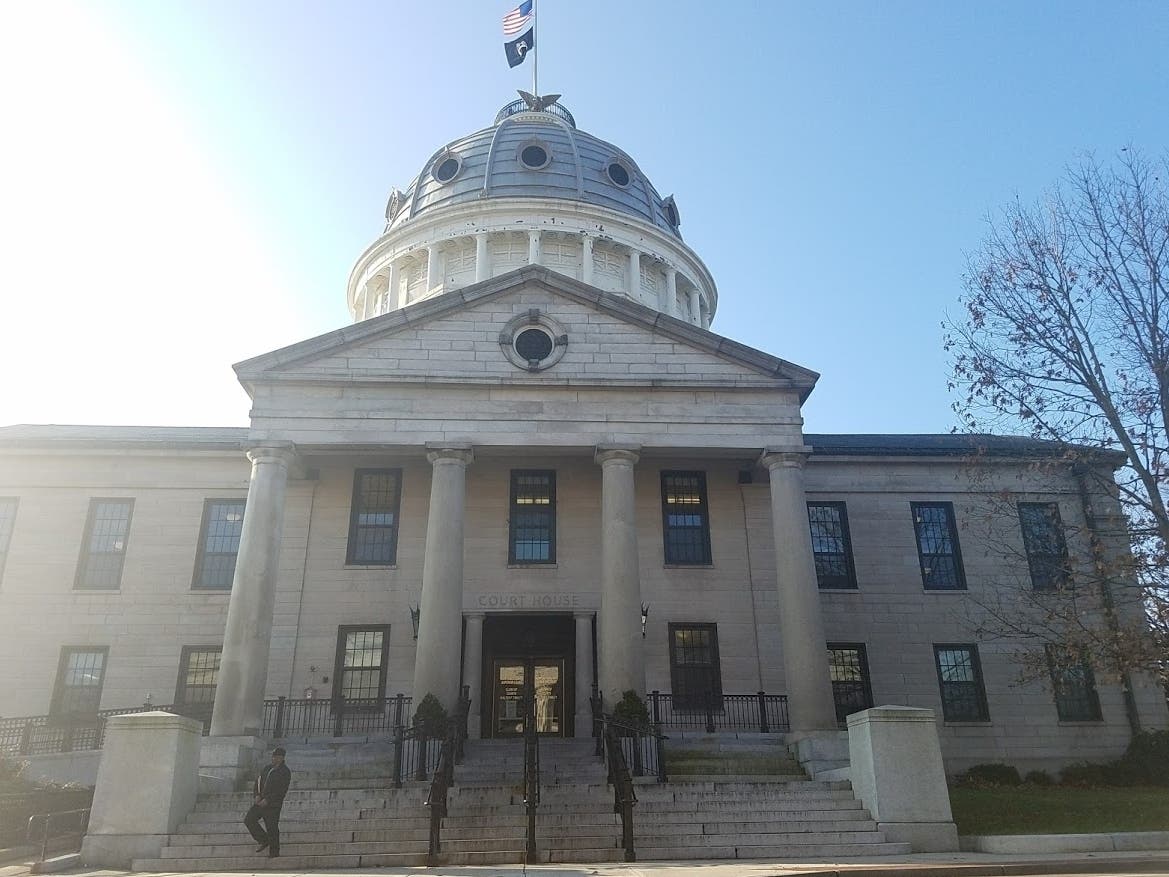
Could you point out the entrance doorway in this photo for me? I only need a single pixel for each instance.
(532, 652)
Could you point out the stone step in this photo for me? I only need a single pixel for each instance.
(649, 853)
(652, 828)
(753, 839)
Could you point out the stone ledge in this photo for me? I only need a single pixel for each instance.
(1066, 843)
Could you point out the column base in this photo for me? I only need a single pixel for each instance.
(819, 752)
(922, 837)
(228, 764)
(120, 850)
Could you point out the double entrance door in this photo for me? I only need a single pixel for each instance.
(514, 680)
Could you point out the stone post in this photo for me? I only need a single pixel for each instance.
(534, 246)
(805, 649)
(895, 765)
(436, 663)
(634, 285)
(433, 268)
(669, 294)
(622, 662)
(243, 665)
(482, 268)
(695, 306)
(473, 671)
(147, 782)
(586, 262)
(584, 673)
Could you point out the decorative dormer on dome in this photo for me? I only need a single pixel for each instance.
(532, 189)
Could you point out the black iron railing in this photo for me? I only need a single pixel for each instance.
(15, 809)
(450, 754)
(531, 775)
(76, 732)
(336, 717)
(622, 782)
(64, 830)
(521, 106)
(761, 712)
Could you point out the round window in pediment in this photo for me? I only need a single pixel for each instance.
(533, 345)
(533, 341)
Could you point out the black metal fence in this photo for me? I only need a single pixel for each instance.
(760, 712)
(17, 809)
(48, 735)
(284, 717)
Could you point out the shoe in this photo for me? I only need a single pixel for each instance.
(272, 854)
(261, 848)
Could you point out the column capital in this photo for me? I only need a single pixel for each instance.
(617, 453)
(584, 616)
(282, 453)
(463, 454)
(474, 616)
(792, 457)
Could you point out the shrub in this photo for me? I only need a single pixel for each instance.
(1086, 775)
(1038, 778)
(631, 710)
(993, 774)
(1147, 759)
(430, 719)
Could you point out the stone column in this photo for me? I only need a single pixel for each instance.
(395, 297)
(473, 671)
(801, 625)
(670, 293)
(482, 269)
(633, 287)
(706, 318)
(436, 663)
(695, 306)
(534, 246)
(433, 268)
(586, 262)
(584, 673)
(243, 665)
(622, 662)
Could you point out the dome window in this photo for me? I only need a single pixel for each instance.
(446, 168)
(671, 210)
(618, 173)
(534, 155)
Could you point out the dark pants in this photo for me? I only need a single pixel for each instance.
(270, 834)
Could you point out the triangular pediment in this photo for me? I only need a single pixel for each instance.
(462, 336)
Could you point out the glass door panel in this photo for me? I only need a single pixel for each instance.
(508, 700)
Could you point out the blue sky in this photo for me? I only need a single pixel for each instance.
(190, 183)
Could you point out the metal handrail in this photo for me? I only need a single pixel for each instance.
(450, 754)
(48, 821)
(623, 795)
(531, 775)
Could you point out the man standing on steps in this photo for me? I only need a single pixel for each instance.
(271, 787)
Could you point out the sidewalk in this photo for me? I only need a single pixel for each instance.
(919, 865)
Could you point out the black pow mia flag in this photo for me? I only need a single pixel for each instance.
(518, 48)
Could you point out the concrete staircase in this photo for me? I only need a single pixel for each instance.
(342, 812)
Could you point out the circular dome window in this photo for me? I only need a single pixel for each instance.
(533, 345)
(446, 169)
(618, 173)
(534, 156)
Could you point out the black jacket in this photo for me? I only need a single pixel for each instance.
(272, 783)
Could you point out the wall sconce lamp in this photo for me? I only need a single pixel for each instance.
(415, 617)
(644, 617)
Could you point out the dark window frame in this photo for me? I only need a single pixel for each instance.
(948, 710)
(835, 583)
(865, 683)
(182, 688)
(339, 666)
(355, 510)
(927, 571)
(1049, 571)
(56, 705)
(12, 502)
(197, 579)
(83, 560)
(514, 510)
(702, 511)
(681, 700)
(1080, 703)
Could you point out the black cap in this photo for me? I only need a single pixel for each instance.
(279, 750)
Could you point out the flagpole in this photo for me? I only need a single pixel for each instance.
(535, 47)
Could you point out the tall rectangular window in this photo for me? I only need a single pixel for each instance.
(223, 522)
(80, 675)
(103, 548)
(7, 522)
(695, 672)
(848, 668)
(360, 672)
(198, 676)
(685, 519)
(831, 545)
(532, 517)
(937, 546)
(1074, 685)
(1047, 553)
(373, 519)
(960, 680)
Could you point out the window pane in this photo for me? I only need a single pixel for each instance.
(848, 669)
(937, 545)
(361, 663)
(7, 522)
(198, 676)
(533, 517)
(830, 545)
(1043, 540)
(373, 528)
(963, 697)
(685, 520)
(104, 544)
(1074, 685)
(79, 681)
(223, 523)
(695, 674)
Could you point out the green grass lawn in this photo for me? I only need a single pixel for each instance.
(1059, 810)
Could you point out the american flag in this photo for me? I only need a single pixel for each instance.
(517, 19)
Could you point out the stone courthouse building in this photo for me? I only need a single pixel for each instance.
(530, 458)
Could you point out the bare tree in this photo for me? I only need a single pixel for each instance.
(1066, 334)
